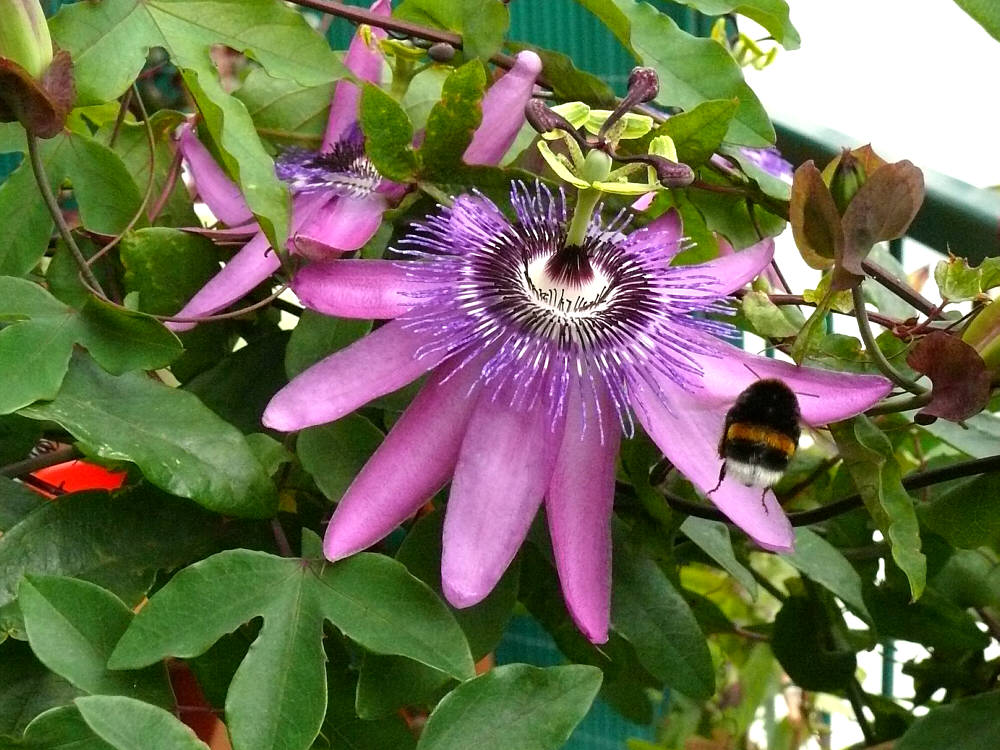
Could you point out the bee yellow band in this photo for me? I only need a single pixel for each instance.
(758, 434)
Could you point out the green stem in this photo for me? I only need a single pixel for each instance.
(877, 357)
(57, 216)
(586, 202)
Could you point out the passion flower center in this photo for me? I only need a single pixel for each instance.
(567, 283)
(345, 169)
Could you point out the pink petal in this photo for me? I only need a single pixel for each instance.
(503, 111)
(663, 234)
(503, 469)
(379, 289)
(824, 395)
(643, 202)
(366, 64)
(220, 194)
(251, 266)
(736, 270)
(578, 505)
(687, 429)
(343, 225)
(383, 361)
(415, 460)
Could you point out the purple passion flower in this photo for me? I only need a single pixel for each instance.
(537, 355)
(338, 197)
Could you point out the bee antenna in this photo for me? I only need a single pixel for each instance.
(752, 371)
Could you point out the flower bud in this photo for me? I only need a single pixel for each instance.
(643, 85)
(441, 52)
(848, 177)
(24, 35)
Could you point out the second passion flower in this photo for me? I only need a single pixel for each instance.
(538, 351)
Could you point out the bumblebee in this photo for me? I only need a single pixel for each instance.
(760, 435)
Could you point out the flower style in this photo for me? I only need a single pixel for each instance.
(538, 351)
(338, 197)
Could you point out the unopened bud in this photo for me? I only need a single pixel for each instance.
(441, 52)
(24, 35)
(544, 119)
(848, 177)
(643, 85)
(671, 174)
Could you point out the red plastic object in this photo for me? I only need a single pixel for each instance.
(75, 476)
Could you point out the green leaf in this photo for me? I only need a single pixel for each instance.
(388, 134)
(37, 350)
(869, 457)
(344, 727)
(713, 539)
(283, 111)
(650, 613)
(799, 645)
(370, 598)
(967, 724)
(35, 354)
(423, 93)
(694, 70)
(317, 336)
(334, 453)
(73, 627)
(569, 83)
(240, 384)
(453, 120)
(132, 146)
(27, 688)
(977, 436)
(934, 621)
(27, 224)
(123, 340)
(388, 682)
(482, 23)
(767, 318)
(968, 515)
(985, 13)
(771, 14)
(177, 442)
(118, 542)
(166, 266)
(129, 724)
(109, 41)
(16, 502)
(61, 728)
(513, 706)
(698, 133)
(823, 563)
(956, 280)
(17, 437)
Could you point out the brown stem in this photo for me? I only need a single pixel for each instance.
(168, 185)
(914, 481)
(901, 289)
(360, 15)
(33, 464)
(151, 141)
(798, 299)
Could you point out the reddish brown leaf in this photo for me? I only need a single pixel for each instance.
(40, 106)
(814, 218)
(959, 376)
(881, 210)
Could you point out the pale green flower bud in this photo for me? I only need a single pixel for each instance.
(24, 35)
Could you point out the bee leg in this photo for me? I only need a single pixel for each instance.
(763, 494)
(722, 475)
